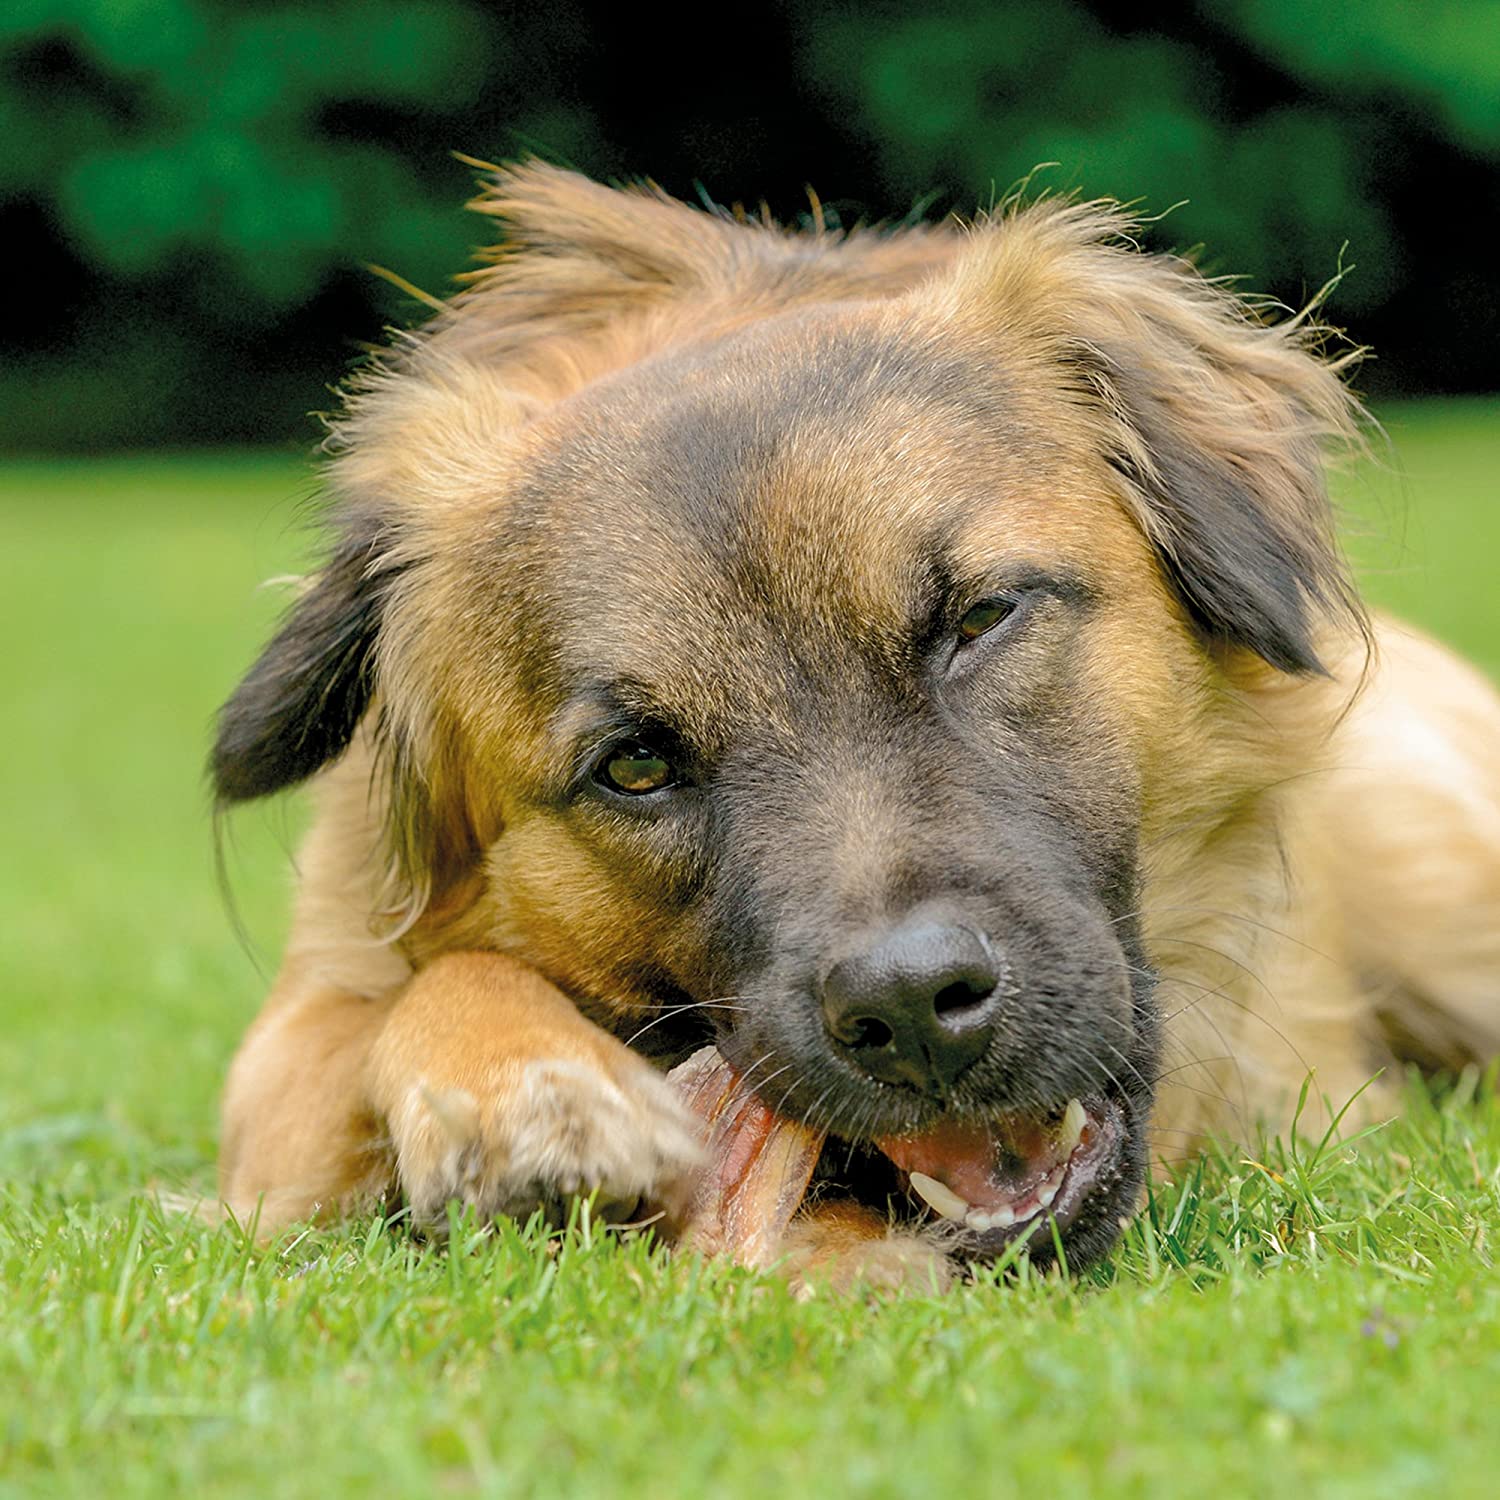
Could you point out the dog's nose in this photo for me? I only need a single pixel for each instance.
(918, 1006)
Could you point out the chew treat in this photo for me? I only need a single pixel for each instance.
(758, 1167)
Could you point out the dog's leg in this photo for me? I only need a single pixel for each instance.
(479, 1082)
(496, 1092)
(846, 1247)
(299, 1137)
(1385, 946)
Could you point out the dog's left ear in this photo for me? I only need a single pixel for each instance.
(1222, 426)
(1218, 421)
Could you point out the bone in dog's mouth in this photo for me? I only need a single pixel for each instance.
(988, 1183)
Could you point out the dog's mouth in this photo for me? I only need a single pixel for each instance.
(988, 1183)
(982, 1184)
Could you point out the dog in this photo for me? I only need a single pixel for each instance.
(920, 663)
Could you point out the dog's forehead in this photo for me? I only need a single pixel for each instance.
(797, 479)
(725, 446)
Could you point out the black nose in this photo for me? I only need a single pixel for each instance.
(918, 1006)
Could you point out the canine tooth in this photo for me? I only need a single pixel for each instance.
(939, 1197)
(1075, 1117)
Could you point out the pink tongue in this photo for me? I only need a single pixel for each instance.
(986, 1165)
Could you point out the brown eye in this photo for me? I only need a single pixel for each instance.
(635, 769)
(984, 616)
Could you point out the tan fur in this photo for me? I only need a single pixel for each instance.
(496, 1091)
(1321, 854)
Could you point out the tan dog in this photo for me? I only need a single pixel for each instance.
(920, 663)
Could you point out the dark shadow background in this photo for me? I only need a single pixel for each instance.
(191, 190)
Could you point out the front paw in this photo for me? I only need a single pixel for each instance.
(537, 1132)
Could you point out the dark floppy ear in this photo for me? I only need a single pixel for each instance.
(1226, 455)
(299, 705)
(1217, 419)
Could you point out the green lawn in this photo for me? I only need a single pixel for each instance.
(1329, 1321)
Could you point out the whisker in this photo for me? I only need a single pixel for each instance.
(1220, 992)
(1204, 993)
(766, 1082)
(1234, 916)
(1114, 1077)
(673, 1011)
(1253, 1014)
(743, 1087)
(1231, 1057)
(747, 1088)
(1228, 958)
(1194, 1062)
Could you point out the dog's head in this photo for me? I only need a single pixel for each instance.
(806, 639)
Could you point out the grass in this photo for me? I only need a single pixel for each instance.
(1326, 1317)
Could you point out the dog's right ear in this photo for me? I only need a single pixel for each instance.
(300, 704)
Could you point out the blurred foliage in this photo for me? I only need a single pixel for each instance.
(162, 128)
(192, 188)
(979, 94)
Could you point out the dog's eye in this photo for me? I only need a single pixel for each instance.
(984, 616)
(635, 769)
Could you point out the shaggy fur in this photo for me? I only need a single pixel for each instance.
(663, 472)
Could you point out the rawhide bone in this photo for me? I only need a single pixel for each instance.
(757, 1169)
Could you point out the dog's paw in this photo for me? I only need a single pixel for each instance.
(538, 1132)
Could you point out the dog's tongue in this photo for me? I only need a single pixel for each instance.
(988, 1175)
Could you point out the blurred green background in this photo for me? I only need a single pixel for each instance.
(191, 190)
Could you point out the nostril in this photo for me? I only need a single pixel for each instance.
(957, 1001)
(865, 1032)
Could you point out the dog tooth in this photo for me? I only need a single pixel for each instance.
(939, 1197)
(997, 1218)
(1075, 1117)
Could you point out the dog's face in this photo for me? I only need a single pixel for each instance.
(817, 682)
(804, 643)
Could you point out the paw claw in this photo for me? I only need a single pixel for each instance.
(456, 1110)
